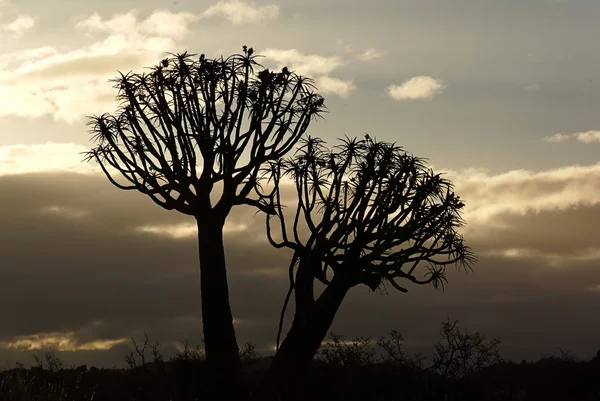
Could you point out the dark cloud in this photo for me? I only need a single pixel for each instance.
(565, 233)
(88, 271)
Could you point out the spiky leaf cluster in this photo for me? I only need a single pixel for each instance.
(372, 212)
(193, 122)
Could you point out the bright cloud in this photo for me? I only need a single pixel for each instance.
(44, 81)
(552, 259)
(65, 211)
(186, 230)
(588, 137)
(31, 54)
(556, 138)
(23, 159)
(66, 341)
(328, 85)
(305, 64)
(119, 23)
(311, 65)
(531, 216)
(421, 87)
(239, 12)
(20, 25)
(161, 23)
(370, 54)
(488, 197)
(584, 137)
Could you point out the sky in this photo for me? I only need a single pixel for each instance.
(501, 96)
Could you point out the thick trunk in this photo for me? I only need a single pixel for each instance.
(222, 354)
(288, 371)
(304, 293)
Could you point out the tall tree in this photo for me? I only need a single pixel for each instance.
(193, 128)
(366, 213)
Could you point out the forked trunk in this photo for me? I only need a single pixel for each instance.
(222, 354)
(286, 377)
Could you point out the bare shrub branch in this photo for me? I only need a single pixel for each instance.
(459, 354)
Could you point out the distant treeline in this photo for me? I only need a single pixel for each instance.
(463, 366)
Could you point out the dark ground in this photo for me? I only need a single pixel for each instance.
(344, 370)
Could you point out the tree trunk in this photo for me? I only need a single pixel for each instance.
(289, 370)
(304, 290)
(222, 354)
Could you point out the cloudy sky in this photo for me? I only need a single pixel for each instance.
(504, 96)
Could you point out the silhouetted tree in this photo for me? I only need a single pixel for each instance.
(195, 127)
(393, 348)
(460, 354)
(367, 213)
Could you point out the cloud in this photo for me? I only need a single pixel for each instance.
(65, 211)
(120, 23)
(45, 81)
(305, 64)
(420, 87)
(30, 54)
(90, 250)
(595, 288)
(370, 54)
(588, 137)
(117, 258)
(238, 12)
(345, 46)
(83, 216)
(311, 65)
(162, 23)
(524, 191)
(60, 342)
(538, 216)
(20, 25)
(556, 138)
(187, 230)
(531, 88)
(498, 202)
(329, 85)
(23, 159)
(584, 137)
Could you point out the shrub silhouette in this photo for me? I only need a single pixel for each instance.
(460, 354)
(358, 369)
(193, 128)
(393, 348)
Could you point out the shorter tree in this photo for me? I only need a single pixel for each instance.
(339, 352)
(366, 213)
(459, 354)
(393, 351)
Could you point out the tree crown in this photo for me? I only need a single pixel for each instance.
(369, 211)
(193, 122)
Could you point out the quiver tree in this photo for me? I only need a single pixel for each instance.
(366, 213)
(193, 128)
